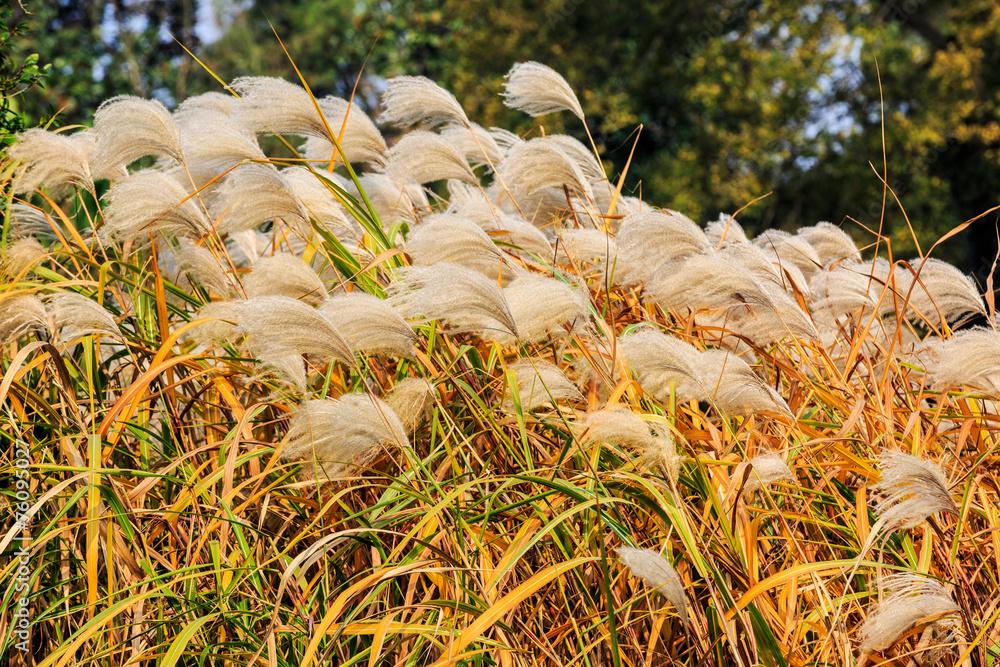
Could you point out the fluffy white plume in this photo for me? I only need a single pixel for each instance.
(285, 275)
(215, 142)
(725, 231)
(532, 167)
(765, 469)
(942, 292)
(911, 490)
(361, 140)
(658, 574)
(447, 238)
(274, 106)
(54, 161)
(474, 143)
(970, 358)
(651, 238)
(412, 100)
(539, 383)
(659, 360)
(470, 203)
(830, 242)
(17, 257)
(280, 331)
(339, 435)
(537, 90)
(150, 201)
(129, 128)
(790, 249)
(395, 203)
(579, 153)
(620, 426)
(317, 199)
(541, 307)
(369, 324)
(253, 194)
(412, 400)
(424, 157)
(465, 299)
(20, 314)
(733, 388)
(198, 263)
(913, 599)
(74, 316)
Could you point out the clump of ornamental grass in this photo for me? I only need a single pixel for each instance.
(381, 419)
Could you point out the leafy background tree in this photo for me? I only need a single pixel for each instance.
(736, 98)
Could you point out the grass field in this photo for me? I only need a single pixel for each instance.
(300, 407)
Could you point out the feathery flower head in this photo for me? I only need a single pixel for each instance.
(658, 574)
(537, 90)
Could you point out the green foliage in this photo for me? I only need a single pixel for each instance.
(14, 78)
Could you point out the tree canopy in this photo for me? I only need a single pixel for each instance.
(735, 98)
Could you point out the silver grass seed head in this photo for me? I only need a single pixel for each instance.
(269, 105)
(471, 204)
(27, 221)
(221, 329)
(542, 307)
(789, 249)
(733, 388)
(620, 426)
(970, 358)
(911, 489)
(18, 257)
(196, 263)
(474, 143)
(412, 400)
(913, 599)
(318, 201)
(370, 325)
(539, 382)
(361, 141)
(725, 231)
(465, 299)
(581, 154)
(537, 90)
(74, 316)
(416, 100)
(394, 202)
(214, 143)
(653, 238)
(766, 469)
(659, 361)
(590, 246)
(285, 275)
(150, 201)
(532, 167)
(337, 436)
(129, 128)
(654, 570)
(942, 292)
(253, 194)
(831, 243)
(449, 238)
(707, 282)
(54, 161)
(504, 138)
(20, 314)
(424, 157)
(279, 331)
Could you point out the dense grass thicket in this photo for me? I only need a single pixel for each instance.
(459, 398)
